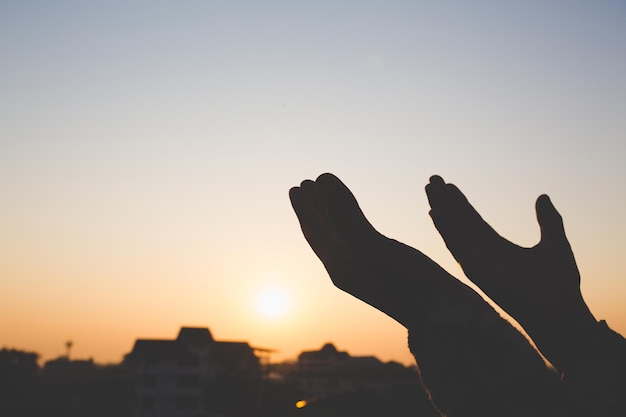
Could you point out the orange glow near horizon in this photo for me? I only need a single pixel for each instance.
(146, 158)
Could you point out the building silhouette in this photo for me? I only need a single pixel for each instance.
(171, 377)
(328, 371)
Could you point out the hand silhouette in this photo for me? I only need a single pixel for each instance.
(387, 274)
(538, 286)
(471, 361)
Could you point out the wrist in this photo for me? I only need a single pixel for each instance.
(594, 345)
(564, 330)
(572, 345)
(597, 376)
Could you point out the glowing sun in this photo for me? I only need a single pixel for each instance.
(272, 302)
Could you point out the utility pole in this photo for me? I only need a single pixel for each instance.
(68, 348)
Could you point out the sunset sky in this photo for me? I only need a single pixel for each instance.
(147, 149)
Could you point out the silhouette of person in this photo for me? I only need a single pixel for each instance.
(471, 361)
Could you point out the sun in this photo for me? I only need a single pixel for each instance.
(272, 302)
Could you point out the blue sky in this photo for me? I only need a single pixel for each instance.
(146, 150)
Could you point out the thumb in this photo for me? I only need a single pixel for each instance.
(549, 219)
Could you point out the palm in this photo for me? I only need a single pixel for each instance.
(538, 286)
(386, 274)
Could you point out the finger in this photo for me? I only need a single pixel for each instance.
(477, 231)
(447, 222)
(462, 209)
(479, 266)
(453, 216)
(474, 261)
(436, 194)
(344, 212)
(453, 240)
(549, 219)
(443, 201)
(305, 208)
(309, 190)
(314, 227)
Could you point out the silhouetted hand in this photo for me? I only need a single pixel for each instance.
(538, 286)
(471, 360)
(387, 274)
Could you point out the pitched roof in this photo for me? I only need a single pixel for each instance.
(328, 351)
(161, 350)
(195, 335)
(182, 350)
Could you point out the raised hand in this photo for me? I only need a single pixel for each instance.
(387, 274)
(471, 360)
(538, 286)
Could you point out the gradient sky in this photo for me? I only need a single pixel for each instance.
(147, 148)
